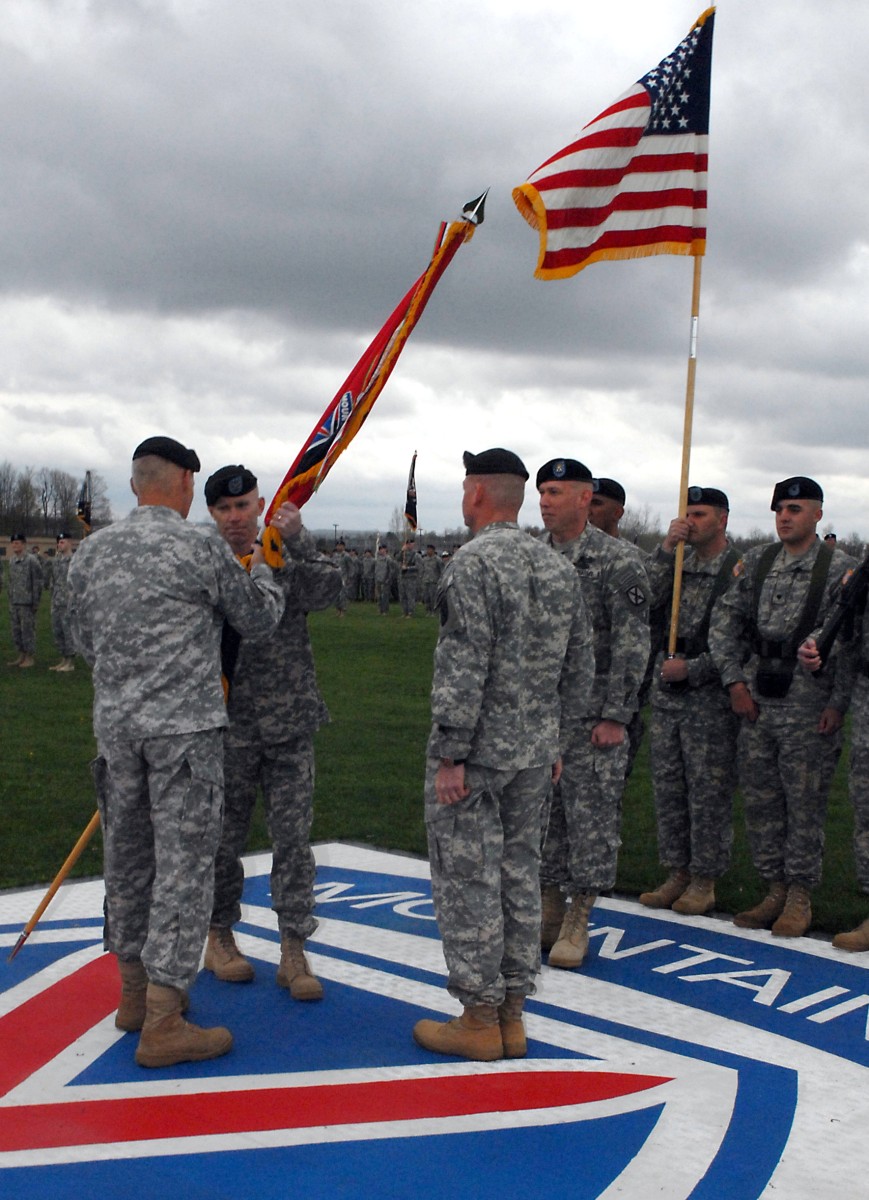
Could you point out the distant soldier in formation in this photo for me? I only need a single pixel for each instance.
(354, 576)
(342, 559)
(408, 560)
(25, 583)
(60, 623)
(791, 720)
(430, 571)
(367, 575)
(384, 575)
(512, 669)
(693, 734)
(274, 709)
(580, 853)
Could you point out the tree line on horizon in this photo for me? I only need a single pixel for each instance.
(43, 502)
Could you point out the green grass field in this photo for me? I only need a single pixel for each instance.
(375, 673)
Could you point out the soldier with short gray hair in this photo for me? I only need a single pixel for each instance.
(148, 597)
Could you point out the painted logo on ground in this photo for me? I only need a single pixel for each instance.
(687, 1059)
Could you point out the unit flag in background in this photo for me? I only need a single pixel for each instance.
(634, 182)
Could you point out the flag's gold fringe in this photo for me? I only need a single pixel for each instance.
(704, 16)
(696, 248)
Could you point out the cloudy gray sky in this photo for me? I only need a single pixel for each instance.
(210, 207)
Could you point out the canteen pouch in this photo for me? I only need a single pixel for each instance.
(774, 676)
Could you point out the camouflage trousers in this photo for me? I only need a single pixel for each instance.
(286, 774)
(485, 860)
(581, 850)
(429, 596)
(61, 631)
(785, 771)
(22, 619)
(160, 804)
(382, 594)
(408, 591)
(693, 757)
(858, 778)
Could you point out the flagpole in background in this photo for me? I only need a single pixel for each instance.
(686, 454)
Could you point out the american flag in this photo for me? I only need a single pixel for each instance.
(634, 181)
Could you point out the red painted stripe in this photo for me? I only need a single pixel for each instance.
(141, 1119)
(33, 1034)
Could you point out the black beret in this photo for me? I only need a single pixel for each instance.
(609, 487)
(798, 487)
(172, 451)
(18, 537)
(712, 496)
(62, 537)
(229, 481)
(559, 469)
(494, 462)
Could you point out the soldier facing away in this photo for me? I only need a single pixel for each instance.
(148, 597)
(512, 669)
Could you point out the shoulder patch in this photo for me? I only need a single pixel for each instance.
(739, 569)
(636, 595)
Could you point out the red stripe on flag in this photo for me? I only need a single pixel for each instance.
(148, 1118)
(652, 202)
(640, 164)
(626, 239)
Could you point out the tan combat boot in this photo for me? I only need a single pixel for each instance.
(134, 984)
(224, 958)
(167, 1038)
(857, 939)
(68, 664)
(570, 949)
(512, 1028)
(295, 973)
(697, 899)
(553, 909)
(27, 661)
(666, 893)
(763, 914)
(796, 915)
(15, 662)
(476, 1034)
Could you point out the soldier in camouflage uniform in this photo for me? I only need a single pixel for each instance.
(408, 560)
(367, 575)
(430, 570)
(512, 669)
(25, 589)
(60, 624)
(853, 675)
(384, 575)
(147, 597)
(275, 708)
(791, 721)
(693, 735)
(581, 849)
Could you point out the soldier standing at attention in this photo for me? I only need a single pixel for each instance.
(582, 843)
(408, 559)
(60, 626)
(384, 574)
(791, 721)
(148, 596)
(25, 589)
(693, 735)
(274, 708)
(430, 570)
(512, 668)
